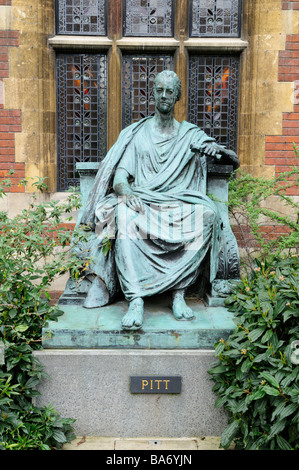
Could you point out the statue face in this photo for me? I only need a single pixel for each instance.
(165, 94)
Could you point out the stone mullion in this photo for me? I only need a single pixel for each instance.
(114, 95)
(115, 19)
(181, 19)
(181, 33)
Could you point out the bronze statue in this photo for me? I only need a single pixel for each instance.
(148, 200)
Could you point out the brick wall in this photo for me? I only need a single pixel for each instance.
(10, 119)
(279, 149)
(290, 5)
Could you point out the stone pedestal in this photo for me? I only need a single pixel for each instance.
(93, 386)
(90, 359)
(101, 327)
(90, 362)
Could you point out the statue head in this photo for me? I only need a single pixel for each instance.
(170, 74)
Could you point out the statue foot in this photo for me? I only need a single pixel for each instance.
(180, 309)
(134, 317)
(97, 295)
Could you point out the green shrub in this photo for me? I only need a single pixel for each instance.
(27, 427)
(34, 250)
(255, 202)
(256, 375)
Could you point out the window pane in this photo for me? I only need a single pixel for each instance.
(148, 17)
(215, 18)
(81, 17)
(213, 97)
(81, 103)
(138, 78)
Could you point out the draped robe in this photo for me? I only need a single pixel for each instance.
(162, 247)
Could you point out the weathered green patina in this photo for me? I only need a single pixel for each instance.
(149, 198)
(99, 328)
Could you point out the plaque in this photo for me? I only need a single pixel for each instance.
(156, 384)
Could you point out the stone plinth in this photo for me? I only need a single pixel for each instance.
(101, 327)
(93, 386)
(90, 361)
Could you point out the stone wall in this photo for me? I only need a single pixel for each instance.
(266, 93)
(27, 79)
(10, 119)
(279, 148)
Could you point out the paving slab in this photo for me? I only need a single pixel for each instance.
(149, 443)
(90, 443)
(155, 444)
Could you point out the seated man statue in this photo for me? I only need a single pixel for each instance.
(148, 192)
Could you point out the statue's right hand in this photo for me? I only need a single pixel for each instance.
(134, 202)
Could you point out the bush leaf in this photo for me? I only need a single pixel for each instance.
(229, 433)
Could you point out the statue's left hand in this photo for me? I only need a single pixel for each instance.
(218, 152)
(211, 149)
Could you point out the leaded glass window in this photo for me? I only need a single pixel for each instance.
(139, 73)
(213, 96)
(81, 109)
(148, 18)
(215, 18)
(86, 17)
(132, 41)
